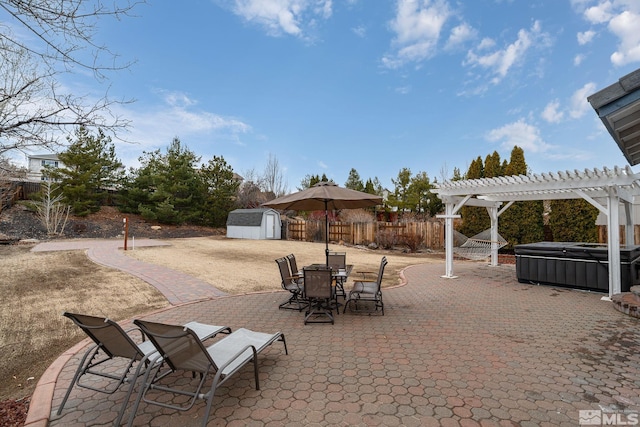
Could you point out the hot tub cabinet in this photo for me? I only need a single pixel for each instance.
(575, 265)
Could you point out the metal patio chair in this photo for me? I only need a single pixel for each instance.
(364, 293)
(291, 283)
(319, 292)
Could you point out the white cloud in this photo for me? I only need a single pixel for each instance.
(153, 128)
(282, 16)
(599, 13)
(459, 35)
(551, 112)
(519, 133)
(417, 27)
(585, 37)
(621, 18)
(359, 31)
(626, 27)
(486, 43)
(577, 60)
(579, 104)
(500, 62)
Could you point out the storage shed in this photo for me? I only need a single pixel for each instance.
(257, 224)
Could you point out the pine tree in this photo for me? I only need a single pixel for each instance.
(91, 168)
(221, 188)
(353, 181)
(168, 187)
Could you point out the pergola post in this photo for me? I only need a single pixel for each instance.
(493, 214)
(613, 247)
(629, 231)
(448, 240)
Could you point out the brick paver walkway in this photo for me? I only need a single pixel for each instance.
(478, 350)
(177, 287)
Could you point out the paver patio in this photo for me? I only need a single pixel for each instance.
(481, 349)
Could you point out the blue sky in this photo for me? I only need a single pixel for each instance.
(376, 85)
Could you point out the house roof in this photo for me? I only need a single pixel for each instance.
(618, 106)
(44, 156)
(247, 217)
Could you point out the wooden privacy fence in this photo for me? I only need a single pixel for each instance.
(11, 191)
(429, 233)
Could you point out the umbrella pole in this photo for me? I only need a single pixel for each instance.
(326, 232)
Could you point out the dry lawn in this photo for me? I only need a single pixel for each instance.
(238, 266)
(36, 288)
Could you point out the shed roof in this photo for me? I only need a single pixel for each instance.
(247, 217)
(618, 106)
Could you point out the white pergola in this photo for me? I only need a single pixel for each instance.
(606, 189)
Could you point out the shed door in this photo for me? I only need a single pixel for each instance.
(270, 232)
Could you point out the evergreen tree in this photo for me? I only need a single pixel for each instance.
(401, 198)
(353, 181)
(573, 220)
(167, 187)
(523, 221)
(492, 166)
(457, 176)
(419, 189)
(474, 219)
(369, 188)
(90, 169)
(221, 187)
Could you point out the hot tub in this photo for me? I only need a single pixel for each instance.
(575, 265)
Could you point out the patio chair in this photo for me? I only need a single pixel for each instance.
(319, 292)
(182, 351)
(366, 292)
(293, 264)
(338, 262)
(292, 284)
(113, 344)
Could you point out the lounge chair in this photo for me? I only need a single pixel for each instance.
(112, 343)
(181, 350)
(365, 292)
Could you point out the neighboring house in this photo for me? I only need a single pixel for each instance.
(259, 224)
(37, 162)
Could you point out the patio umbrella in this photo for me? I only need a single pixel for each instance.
(325, 195)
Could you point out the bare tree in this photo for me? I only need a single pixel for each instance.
(52, 213)
(273, 178)
(34, 111)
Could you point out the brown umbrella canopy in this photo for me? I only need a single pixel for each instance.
(324, 196)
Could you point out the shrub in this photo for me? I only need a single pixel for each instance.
(387, 239)
(412, 241)
(356, 215)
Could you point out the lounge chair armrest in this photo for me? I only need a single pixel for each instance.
(136, 329)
